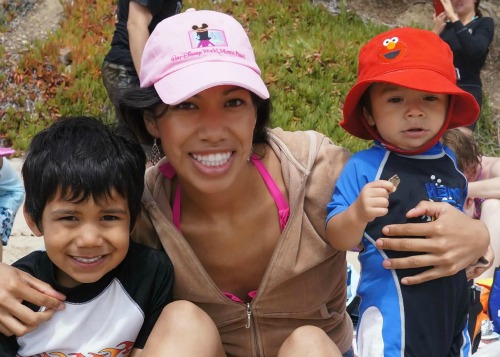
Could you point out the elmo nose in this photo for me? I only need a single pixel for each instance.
(391, 45)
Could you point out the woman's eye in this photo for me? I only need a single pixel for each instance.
(67, 218)
(234, 102)
(183, 105)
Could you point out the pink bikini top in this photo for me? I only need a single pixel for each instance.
(478, 202)
(283, 209)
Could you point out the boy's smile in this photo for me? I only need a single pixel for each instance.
(85, 240)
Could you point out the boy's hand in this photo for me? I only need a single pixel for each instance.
(373, 200)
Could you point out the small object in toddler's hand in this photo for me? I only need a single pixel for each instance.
(395, 180)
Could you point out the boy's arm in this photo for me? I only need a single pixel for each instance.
(345, 230)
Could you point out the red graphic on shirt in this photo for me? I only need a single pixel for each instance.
(121, 350)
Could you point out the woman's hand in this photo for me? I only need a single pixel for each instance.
(449, 11)
(16, 286)
(439, 23)
(452, 242)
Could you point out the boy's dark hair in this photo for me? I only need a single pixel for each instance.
(81, 157)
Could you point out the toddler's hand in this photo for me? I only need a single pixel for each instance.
(373, 200)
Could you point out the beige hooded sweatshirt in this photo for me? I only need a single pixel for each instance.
(305, 281)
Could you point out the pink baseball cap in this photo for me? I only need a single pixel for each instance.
(196, 50)
(412, 58)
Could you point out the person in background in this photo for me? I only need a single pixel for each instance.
(11, 196)
(240, 208)
(135, 20)
(483, 174)
(404, 99)
(469, 35)
(83, 195)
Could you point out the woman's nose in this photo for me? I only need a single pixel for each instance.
(212, 125)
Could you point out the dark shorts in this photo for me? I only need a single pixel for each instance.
(115, 78)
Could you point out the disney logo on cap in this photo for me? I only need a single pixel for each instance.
(201, 36)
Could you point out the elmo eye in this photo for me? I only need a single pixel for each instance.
(395, 40)
(386, 42)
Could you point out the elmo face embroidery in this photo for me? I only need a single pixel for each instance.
(391, 49)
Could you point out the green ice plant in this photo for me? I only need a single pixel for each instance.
(308, 59)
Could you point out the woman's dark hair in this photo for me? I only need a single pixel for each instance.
(139, 103)
(476, 8)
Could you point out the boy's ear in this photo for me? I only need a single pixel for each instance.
(31, 223)
(368, 117)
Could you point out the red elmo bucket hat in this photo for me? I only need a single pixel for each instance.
(411, 58)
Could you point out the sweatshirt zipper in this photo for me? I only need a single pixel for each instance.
(249, 325)
(249, 315)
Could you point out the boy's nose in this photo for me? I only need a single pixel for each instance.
(89, 236)
(414, 111)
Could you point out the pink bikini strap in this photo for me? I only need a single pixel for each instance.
(281, 203)
(169, 172)
(279, 199)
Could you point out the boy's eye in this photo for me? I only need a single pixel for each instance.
(109, 218)
(431, 98)
(395, 100)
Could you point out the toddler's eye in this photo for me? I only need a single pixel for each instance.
(395, 100)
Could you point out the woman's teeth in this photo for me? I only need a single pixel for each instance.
(213, 159)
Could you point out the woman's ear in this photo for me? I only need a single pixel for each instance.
(31, 223)
(368, 117)
(151, 127)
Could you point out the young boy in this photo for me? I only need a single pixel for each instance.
(405, 98)
(83, 194)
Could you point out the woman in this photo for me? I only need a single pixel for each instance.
(469, 35)
(240, 208)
